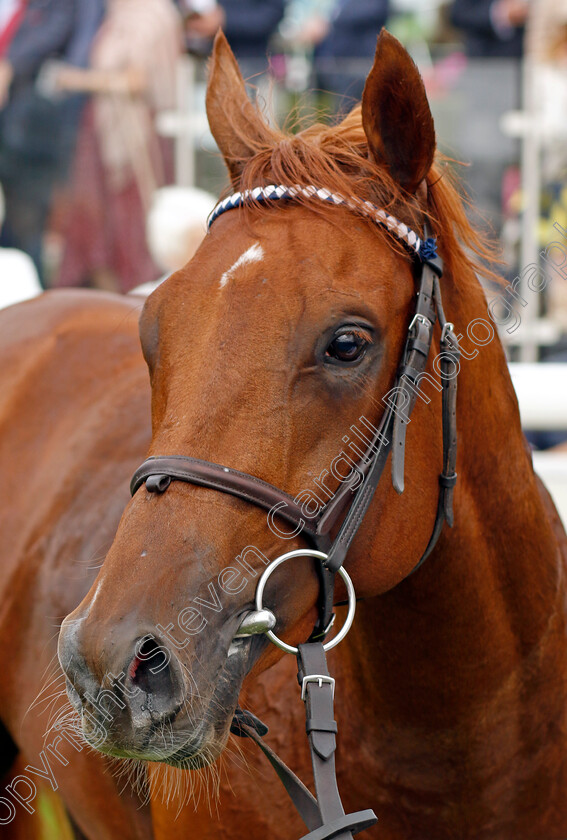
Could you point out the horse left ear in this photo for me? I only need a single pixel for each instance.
(235, 123)
(396, 116)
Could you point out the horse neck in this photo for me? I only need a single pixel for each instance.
(482, 619)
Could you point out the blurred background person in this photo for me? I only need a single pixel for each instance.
(491, 28)
(88, 18)
(18, 275)
(344, 55)
(247, 24)
(36, 132)
(120, 161)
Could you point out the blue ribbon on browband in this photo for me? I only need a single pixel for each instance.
(428, 249)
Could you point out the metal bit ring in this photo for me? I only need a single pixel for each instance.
(306, 552)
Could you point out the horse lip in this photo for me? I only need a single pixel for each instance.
(146, 751)
(239, 649)
(189, 750)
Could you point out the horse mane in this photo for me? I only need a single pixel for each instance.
(336, 158)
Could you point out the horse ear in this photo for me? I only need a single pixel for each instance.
(396, 116)
(235, 123)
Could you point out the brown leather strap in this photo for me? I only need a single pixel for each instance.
(302, 798)
(450, 366)
(158, 471)
(331, 513)
(306, 804)
(391, 434)
(362, 500)
(324, 816)
(318, 689)
(414, 362)
(450, 361)
(353, 822)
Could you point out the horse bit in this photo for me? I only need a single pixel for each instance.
(324, 816)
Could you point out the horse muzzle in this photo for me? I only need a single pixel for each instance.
(151, 705)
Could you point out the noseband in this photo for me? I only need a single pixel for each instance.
(325, 816)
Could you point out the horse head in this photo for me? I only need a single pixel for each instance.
(270, 353)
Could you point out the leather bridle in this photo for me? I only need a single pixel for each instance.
(157, 472)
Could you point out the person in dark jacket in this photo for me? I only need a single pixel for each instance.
(344, 57)
(35, 132)
(491, 28)
(247, 24)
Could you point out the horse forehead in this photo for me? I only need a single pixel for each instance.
(295, 263)
(294, 245)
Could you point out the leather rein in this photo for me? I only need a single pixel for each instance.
(324, 816)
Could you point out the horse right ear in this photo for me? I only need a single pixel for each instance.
(235, 123)
(396, 116)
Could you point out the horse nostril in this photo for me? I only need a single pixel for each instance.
(153, 672)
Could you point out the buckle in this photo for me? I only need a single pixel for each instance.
(447, 328)
(448, 481)
(320, 679)
(418, 318)
(315, 637)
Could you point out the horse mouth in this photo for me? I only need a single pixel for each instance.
(186, 739)
(208, 741)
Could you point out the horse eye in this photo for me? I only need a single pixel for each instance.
(349, 346)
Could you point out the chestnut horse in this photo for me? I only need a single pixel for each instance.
(264, 353)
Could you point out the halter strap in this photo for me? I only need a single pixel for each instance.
(424, 249)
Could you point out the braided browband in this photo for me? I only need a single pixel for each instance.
(424, 249)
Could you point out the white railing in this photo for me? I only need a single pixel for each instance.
(542, 395)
